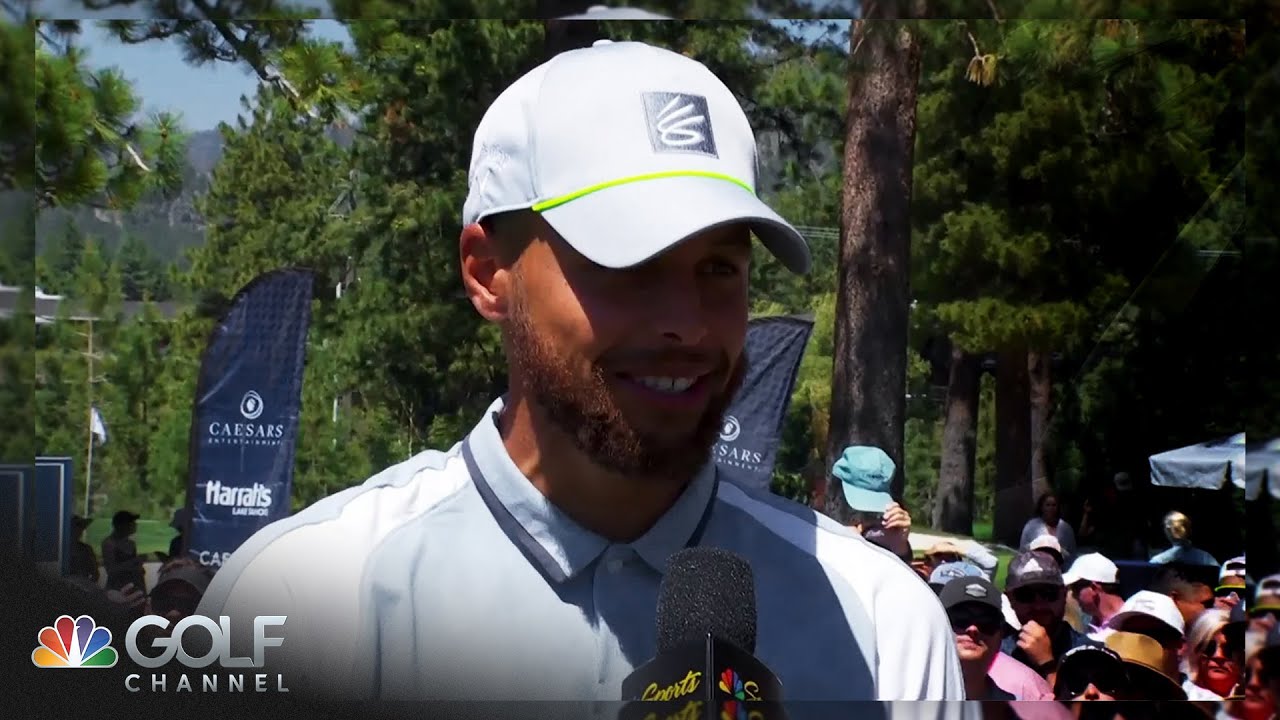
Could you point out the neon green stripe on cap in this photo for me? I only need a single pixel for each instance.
(557, 201)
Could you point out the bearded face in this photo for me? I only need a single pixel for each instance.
(636, 365)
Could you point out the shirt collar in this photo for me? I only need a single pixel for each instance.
(551, 539)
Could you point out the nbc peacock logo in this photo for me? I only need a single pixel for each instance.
(731, 683)
(740, 692)
(74, 643)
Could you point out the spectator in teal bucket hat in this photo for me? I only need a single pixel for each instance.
(864, 473)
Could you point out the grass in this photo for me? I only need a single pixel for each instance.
(153, 535)
(981, 533)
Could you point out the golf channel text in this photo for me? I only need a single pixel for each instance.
(156, 652)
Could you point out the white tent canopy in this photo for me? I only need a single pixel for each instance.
(1262, 466)
(1204, 466)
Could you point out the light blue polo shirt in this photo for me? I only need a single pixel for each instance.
(449, 576)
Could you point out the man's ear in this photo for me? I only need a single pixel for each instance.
(485, 277)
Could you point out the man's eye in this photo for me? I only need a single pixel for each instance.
(722, 267)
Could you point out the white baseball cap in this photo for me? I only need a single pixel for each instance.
(1234, 566)
(1094, 567)
(1046, 542)
(625, 149)
(1154, 604)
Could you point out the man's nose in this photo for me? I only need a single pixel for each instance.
(677, 311)
(1092, 692)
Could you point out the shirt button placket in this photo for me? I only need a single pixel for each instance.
(608, 586)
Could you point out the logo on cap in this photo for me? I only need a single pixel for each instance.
(679, 122)
(975, 590)
(1032, 566)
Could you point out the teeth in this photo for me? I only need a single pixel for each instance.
(666, 384)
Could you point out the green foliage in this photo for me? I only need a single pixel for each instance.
(17, 370)
(1043, 202)
(1091, 150)
(89, 146)
(17, 106)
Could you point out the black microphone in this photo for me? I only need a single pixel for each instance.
(705, 668)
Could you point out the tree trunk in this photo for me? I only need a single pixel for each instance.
(1041, 389)
(1013, 446)
(953, 509)
(868, 384)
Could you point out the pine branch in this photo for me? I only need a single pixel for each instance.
(252, 56)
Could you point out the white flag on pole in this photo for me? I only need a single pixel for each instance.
(98, 428)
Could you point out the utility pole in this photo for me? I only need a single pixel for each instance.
(90, 379)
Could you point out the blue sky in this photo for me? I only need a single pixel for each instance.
(203, 95)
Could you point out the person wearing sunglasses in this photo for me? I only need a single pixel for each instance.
(1261, 678)
(1008, 674)
(1154, 615)
(1038, 596)
(1090, 673)
(1215, 653)
(973, 607)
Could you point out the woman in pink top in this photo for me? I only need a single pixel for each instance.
(1017, 679)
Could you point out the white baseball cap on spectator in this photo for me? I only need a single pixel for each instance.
(1094, 567)
(1150, 604)
(1049, 544)
(1233, 567)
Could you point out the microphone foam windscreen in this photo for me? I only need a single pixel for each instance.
(707, 590)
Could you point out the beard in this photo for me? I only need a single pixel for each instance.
(581, 405)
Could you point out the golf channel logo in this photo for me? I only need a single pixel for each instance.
(152, 643)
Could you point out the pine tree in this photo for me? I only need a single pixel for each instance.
(17, 111)
(89, 147)
(1037, 184)
(61, 260)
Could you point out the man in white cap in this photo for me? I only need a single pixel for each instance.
(1094, 582)
(607, 236)
(1049, 545)
(1156, 616)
